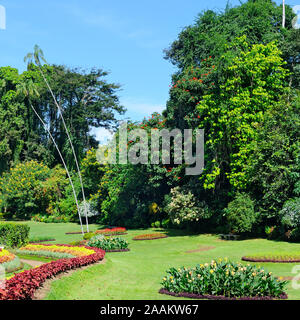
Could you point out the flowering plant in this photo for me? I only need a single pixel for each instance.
(23, 285)
(223, 278)
(112, 231)
(108, 244)
(75, 251)
(6, 256)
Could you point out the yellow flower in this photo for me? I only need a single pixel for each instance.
(211, 271)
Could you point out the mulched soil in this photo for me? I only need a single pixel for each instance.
(150, 238)
(212, 297)
(201, 249)
(36, 242)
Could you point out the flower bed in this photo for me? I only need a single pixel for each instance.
(223, 280)
(115, 244)
(6, 256)
(273, 257)
(150, 236)
(66, 249)
(112, 231)
(23, 285)
(9, 261)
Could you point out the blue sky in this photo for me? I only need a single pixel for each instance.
(126, 38)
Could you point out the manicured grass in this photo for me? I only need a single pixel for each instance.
(57, 231)
(136, 274)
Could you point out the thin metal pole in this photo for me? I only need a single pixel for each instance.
(63, 161)
(69, 138)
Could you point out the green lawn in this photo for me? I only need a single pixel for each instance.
(136, 274)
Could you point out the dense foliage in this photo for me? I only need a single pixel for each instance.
(108, 243)
(224, 278)
(240, 214)
(237, 78)
(13, 234)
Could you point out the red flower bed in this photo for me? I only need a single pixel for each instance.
(112, 231)
(23, 285)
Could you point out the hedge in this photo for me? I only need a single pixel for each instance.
(14, 235)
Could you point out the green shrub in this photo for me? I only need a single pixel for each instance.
(290, 213)
(181, 207)
(107, 244)
(14, 235)
(166, 223)
(88, 236)
(156, 224)
(223, 278)
(295, 235)
(240, 213)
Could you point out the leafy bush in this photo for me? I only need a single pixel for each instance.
(295, 234)
(88, 236)
(290, 213)
(108, 244)
(165, 223)
(14, 235)
(31, 188)
(240, 213)
(181, 207)
(90, 208)
(223, 278)
(274, 172)
(51, 219)
(156, 224)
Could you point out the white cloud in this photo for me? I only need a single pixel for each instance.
(101, 134)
